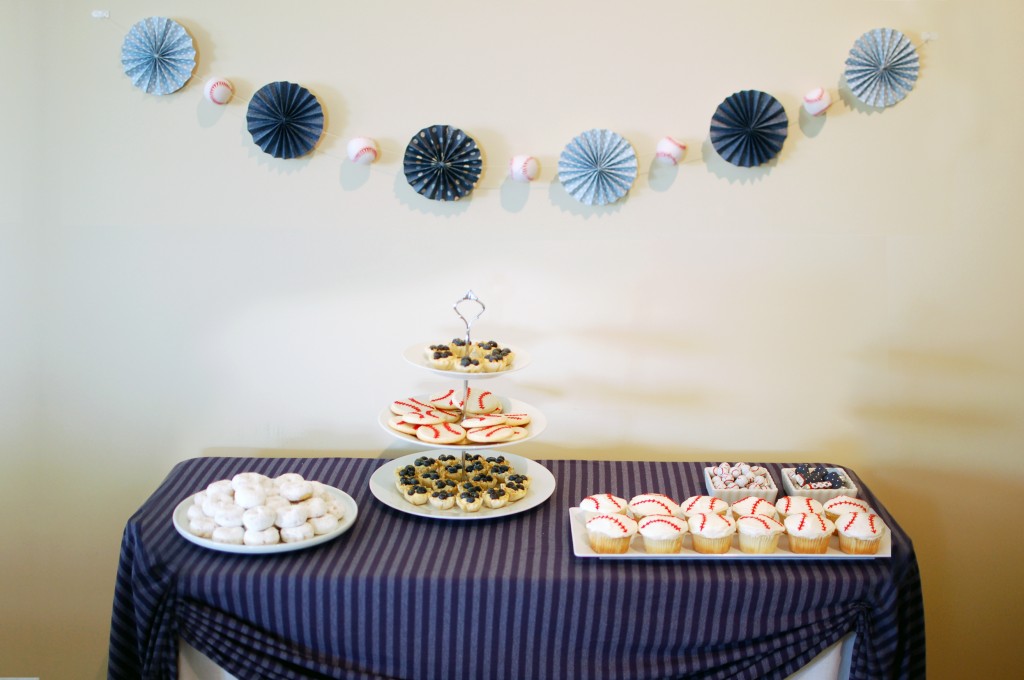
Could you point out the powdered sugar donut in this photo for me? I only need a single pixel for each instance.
(195, 512)
(297, 491)
(216, 502)
(442, 433)
(288, 478)
(202, 527)
(250, 496)
(276, 502)
(269, 536)
(303, 532)
(229, 516)
(248, 479)
(292, 516)
(315, 507)
(232, 535)
(222, 486)
(324, 524)
(259, 518)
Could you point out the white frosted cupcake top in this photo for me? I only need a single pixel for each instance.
(862, 525)
(695, 505)
(751, 505)
(759, 525)
(711, 525)
(652, 504)
(809, 525)
(603, 503)
(795, 505)
(661, 527)
(615, 526)
(840, 505)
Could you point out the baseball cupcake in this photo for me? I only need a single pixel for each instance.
(809, 533)
(712, 533)
(696, 505)
(796, 505)
(759, 534)
(662, 534)
(860, 533)
(610, 534)
(840, 505)
(652, 504)
(603, 504)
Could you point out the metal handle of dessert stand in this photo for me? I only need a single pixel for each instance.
(469, 297)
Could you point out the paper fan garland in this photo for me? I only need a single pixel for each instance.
(285, 119)
(749, 128)
(442, 163)
(597, 167)
(882, 67)
(158, 55)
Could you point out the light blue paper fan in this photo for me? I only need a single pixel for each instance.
(882, 67)
(158, 55)
(597, 167)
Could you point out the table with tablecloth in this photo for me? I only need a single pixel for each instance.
(401, 596)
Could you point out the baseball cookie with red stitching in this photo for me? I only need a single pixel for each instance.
(442, 433)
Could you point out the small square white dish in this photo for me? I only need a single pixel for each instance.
(820, 495)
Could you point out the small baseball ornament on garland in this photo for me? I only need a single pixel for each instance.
(817, 101)
(362, 150)
(882, 67)
(749, 128)
(669, 151)
(523, 168)
(218, 90)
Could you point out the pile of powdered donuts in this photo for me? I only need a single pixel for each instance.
(256, 510)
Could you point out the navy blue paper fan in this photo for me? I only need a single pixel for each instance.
(749, 128)
(442, 163)
(285, 120)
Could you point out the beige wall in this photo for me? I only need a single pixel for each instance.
(169, 291)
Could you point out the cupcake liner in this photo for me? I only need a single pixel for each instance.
(859, 546)
(809, 546)
(663, 546)
(712, 546)
(607, 544)
(759, 545)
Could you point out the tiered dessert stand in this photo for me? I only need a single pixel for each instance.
(382, 482)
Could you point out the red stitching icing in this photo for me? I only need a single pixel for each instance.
(703, 521)
(803, 519)
(871, 523)
(696, 499)
(658, 519)
(853, 518)
(759, 518)
(614, 520)
(855, 504)
(654, 500)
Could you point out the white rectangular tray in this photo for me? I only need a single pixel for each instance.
(581, 548)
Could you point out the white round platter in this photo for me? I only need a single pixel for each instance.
(415, 356)
(542, 485)
(537, 424)
(180, 518)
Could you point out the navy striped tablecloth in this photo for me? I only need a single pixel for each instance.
(399, 596)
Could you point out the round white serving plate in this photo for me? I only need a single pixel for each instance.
(180, 519)
(415, 355)
(542, 485)
(537, 424)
